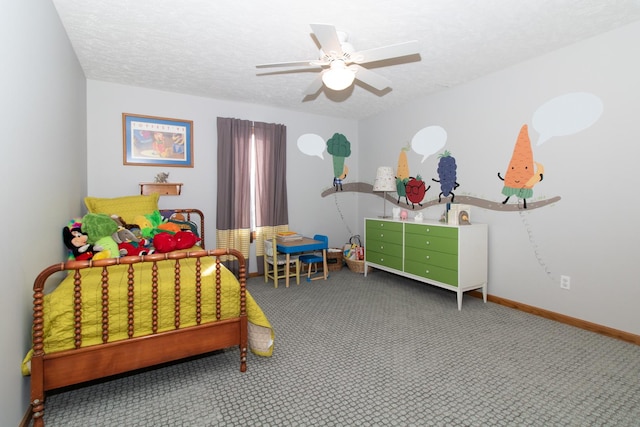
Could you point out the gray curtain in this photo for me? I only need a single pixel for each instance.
(271, 181)
(233, 210)
(233, 213)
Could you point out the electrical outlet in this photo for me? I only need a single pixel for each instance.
(565, 282)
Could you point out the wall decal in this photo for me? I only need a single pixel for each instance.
(344, 221)
(402, 174)
(521, 177)
(535, 247)
(340, 148)
(428, 141)
(447, 174)
(560, 116)
(364, 187)
(415, 190)
(566, 114)
(311, 145)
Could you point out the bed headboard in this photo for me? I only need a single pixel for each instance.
(192, 215)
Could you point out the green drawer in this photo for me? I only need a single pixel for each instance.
(438, 259)
(390, 261)
(383, 235)
(372, 224)
(384, 247)
(431, 272)
(432, 243)
(432, 230)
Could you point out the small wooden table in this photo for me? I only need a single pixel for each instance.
(303, 245)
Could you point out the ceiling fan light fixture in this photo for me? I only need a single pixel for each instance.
(338, 77)
(341, 64)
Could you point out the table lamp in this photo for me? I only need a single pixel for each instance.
(385, 181)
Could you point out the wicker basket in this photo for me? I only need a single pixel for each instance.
(334, 260)
(357, 266)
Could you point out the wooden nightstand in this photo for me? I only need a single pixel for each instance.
(164, 188)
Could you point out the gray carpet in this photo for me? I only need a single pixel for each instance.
(380, 351)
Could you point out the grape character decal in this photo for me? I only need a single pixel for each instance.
(520, 177)
(447, 174)
(415, 190)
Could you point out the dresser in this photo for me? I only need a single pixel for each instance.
(452, 257)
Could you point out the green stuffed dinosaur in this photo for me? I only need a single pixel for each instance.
(100, 229)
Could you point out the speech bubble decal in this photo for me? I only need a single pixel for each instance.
(311, 145)
(566, 114)
(428, 140)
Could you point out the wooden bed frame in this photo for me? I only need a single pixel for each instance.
(82, 364)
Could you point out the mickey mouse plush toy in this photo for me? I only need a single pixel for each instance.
(76, 241)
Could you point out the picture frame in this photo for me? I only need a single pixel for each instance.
(157, 141)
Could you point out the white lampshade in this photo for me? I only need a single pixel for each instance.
(385, 179)
(338, 77)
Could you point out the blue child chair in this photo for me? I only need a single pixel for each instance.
(315, 259)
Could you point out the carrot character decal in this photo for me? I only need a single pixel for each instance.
(447, 174)
(521, 177)
(402, 174)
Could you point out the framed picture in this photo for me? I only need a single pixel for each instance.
(157, 141)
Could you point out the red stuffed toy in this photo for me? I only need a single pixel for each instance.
(164, 242)
(167, 242)
(130, 249)
(185, 239)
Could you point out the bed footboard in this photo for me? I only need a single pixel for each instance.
(85, 363)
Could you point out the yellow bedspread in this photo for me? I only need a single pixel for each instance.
(58, 305)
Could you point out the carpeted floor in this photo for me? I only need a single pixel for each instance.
(380, 351)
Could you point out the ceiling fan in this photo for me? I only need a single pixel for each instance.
(341, 64)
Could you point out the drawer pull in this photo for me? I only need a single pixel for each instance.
(381, 247)
(381, 234)
(427, 257)
(426, 271)
(428, 243)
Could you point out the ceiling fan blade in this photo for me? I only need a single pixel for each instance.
(328, 38)
(307, 63)
(315, 85)
(385, 52)
(374, 80)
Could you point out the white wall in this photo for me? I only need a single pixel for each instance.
(307, 176)
(591, 234)
(42, 168)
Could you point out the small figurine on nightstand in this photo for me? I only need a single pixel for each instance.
(161, 178)
(404, 215)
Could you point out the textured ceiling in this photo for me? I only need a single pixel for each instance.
(210, 48)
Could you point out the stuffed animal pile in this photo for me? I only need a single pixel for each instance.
(99, 236)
